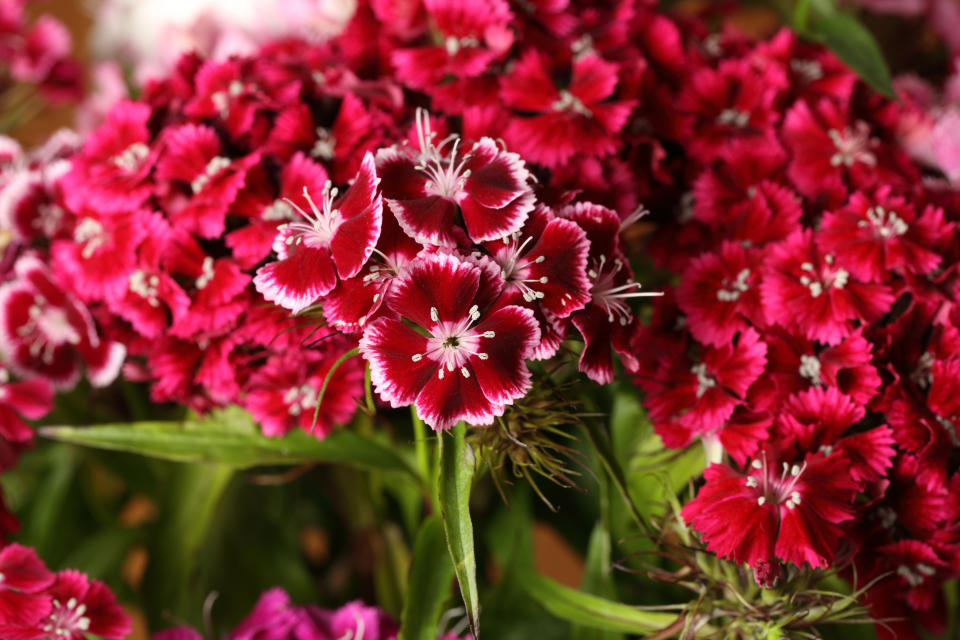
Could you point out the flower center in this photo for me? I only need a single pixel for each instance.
(300, 399)
(90, 234)
(886, 223)
(734, 118)
(321, 223)
(569, 102)
(221, 99)
(131, 157)
(828, 277)
(922, 375)
(279, 210)
(206, 273)
(69, 620)
(852, 145)
(738, 286)
(452, 343)
(215, 166)
(145, 286)
(809, 70)
(515, 268)
(776, 490)
(917, 574)
(810, 369)
(612, 297)
(705, 381)
(325, 145)
(446, 176)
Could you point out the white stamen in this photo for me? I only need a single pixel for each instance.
(810, 369)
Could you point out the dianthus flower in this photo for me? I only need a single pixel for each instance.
(464, 360)
(764, 513)
(334, 239)
(427, 189)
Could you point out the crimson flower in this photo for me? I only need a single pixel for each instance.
(24, 578)
(45, 332)
(457, 359)
(807, 290)
(336, 238)
(581, 117)
(883, 233)
(427, 189)
(759, 514)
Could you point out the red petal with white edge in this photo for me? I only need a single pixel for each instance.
(31, 398)
(389, 346)
(296, 282)
(564, 248)
(485, 223)
(437, 281)
(596, 359)
(496, 177)
(355, 239)
(103, 361)
(427, 220)
(362, 192)
(399, 178)
(352, 303)
(452, 398)
(504, 376)
(23, 570)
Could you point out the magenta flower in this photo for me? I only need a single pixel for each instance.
(336, 238)
(24, 579)
(582, 117)
(30, 399)
(808, 290)
(764, 513)
(45, 332)
(882, 233)
(430, 188)
(80, 606)
(720, 293)
(208, 180)
(464, 360)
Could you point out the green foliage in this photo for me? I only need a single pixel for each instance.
(842, 33)
(230, 437)
(457, 466)
(428, 588)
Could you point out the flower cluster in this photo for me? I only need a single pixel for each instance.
(37, 54)
(274, 617)
(37, 604)
(811, 337)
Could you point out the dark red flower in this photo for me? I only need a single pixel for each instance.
(464, 363)
(758, 515)
(427, 189)
(24, 579)
(581, 117)
(807, 289)
(335, 239)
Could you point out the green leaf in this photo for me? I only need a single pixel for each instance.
(598, 580)
(593, 611)
(428, 588)
(601, 443)
(230, 437)
(190, 507)
(457, 466)
(846, 36)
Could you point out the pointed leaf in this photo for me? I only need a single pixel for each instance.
(231, 438)
(593, 611)
(428, 588)
(457, 465)
(598, 580)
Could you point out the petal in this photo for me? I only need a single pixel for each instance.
(564, 247)
(363, 190)
(356, 238)
(504, 376)
(427, 220)
(23, 570)
(296, 282)
(496, 177)
(390, 346)
(435, 281)
(446, 400)
(31, 398)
